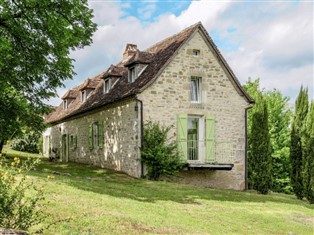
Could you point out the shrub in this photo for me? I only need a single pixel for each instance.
(28, 142)
(159, 153)
(19, 197)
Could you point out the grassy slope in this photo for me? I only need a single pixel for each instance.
(99, 201)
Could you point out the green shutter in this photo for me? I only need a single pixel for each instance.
(101, 134)
(182, 135)
(90, 137)
(210, 138)
(66, 148)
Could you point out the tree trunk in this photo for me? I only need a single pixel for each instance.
(1, 145)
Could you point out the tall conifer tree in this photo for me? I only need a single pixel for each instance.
(260, 148)
(308, 156)
(296, 158)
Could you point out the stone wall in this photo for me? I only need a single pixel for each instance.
(170, 95)
(121, 138)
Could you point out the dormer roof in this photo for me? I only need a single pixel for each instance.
(140, 57)
(89, 84)
(70, 94)
(114, 71)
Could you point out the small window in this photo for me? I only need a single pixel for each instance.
(107, 85)
(65, 104)
(83, 96)
(73, 142)
(195, 88)
(95, 134)
(196, 52)
(132, 74)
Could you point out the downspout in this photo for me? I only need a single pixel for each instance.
(246, 147)
(142, 132)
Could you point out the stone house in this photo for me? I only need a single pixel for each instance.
(182, 81)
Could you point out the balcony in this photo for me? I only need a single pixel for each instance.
(223, 157)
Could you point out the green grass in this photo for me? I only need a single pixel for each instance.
(97, 201)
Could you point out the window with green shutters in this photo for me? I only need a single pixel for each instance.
(96, 135)
(189, 139)
(210, 138)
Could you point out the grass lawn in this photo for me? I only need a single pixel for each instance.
(90, 200)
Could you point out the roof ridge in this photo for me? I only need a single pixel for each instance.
(173, 36)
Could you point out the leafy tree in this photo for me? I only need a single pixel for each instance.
(27, 142)
(159, 154)
(260, 148)
(279, 117)
(301, 109)
(36, 38)
(308, 156)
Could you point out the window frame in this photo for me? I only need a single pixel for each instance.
(83, 96)
(197, 89)
(107, 81)
(65, 104)
(196, 52)
(132, 74)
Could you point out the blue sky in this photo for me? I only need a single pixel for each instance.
(270, 40)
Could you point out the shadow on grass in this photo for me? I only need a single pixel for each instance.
(102, 181)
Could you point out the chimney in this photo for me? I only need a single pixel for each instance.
(130, 50)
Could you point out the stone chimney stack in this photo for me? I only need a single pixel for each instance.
(130, 50)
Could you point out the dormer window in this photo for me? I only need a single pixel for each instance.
(107, 85)
(83, 96)
(132, 74)
(65, 104)
(196, 52)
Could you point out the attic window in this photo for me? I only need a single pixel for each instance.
(65, 104)
(107, 85)
(83, 96)
(132, 74)
(196, 52)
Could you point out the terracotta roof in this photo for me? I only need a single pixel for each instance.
(140, 57)
(114, 71)
(89, 84)
(156, 57)
(70, 94)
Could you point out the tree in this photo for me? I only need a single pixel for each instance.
(279, 117)
(260, 148)
(36, 38)
(301, 109)
(308, 155)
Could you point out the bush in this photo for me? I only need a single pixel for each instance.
(159, 154)
(27, 143)
(19, 197)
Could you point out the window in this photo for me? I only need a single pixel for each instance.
(107, 85)
(65, 104)
(73, 141)
(196, 138)
(196, 52)
(193, 138)
(95, 134)
(83, 95)
(132, 74)
(195, 89)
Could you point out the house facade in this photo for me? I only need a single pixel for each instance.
(182, 81)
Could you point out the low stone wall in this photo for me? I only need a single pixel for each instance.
(12, 232)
